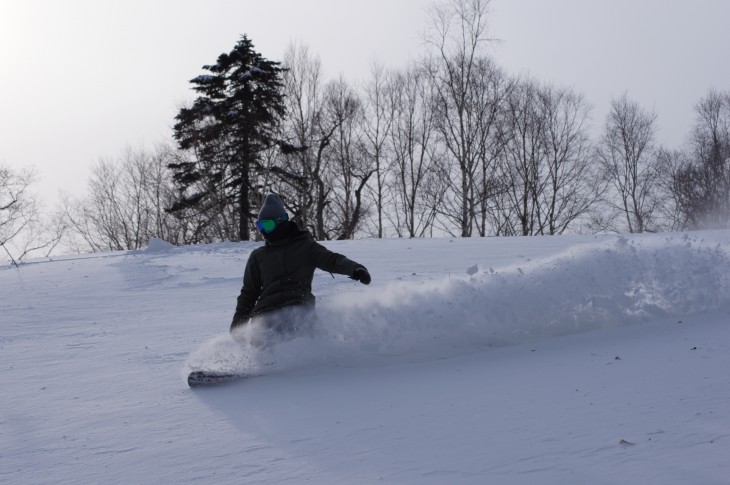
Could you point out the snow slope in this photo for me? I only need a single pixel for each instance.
(592, 359)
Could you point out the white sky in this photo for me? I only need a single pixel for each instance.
(82, 79)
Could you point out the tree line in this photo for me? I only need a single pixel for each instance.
(449, 145)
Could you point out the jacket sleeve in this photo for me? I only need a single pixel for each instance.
(249, 293)
(332, 262)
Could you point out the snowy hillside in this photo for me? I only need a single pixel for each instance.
(555, 360)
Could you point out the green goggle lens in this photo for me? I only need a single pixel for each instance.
(267, 225)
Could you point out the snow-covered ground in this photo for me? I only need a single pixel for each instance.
(546, 360)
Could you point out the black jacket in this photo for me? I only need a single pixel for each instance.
(279, 274)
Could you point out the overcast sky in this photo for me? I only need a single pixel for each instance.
(82, 79)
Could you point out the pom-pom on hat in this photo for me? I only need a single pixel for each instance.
(273, 208)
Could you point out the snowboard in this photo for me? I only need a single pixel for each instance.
(200, 378)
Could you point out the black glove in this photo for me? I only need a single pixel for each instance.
(361, 275)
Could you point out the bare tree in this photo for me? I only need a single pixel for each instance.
(571, 185)
(493, 88)
(417, 185)
(126, 204)
(302, 128)
(547, 176)
(521, 165)
(22, 228)
(669, 213)
(377, 124)
(458, 33)
(629, 163)
(348, 166)
(324, 122)
(700, 180)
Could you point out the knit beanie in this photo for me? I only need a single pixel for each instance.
(273, 208)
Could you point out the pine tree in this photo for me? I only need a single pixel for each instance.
(226, 128)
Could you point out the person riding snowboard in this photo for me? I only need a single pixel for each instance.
(277, 281)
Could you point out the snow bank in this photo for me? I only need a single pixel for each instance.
(593, 286)
(157, 245)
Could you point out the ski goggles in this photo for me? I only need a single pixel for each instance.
(266, 226)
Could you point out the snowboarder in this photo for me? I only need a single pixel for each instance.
(277, 282)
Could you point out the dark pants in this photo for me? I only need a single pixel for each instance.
(277, 325)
